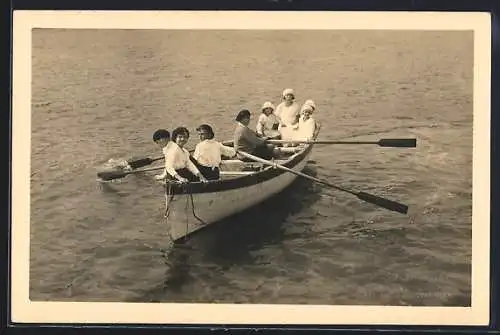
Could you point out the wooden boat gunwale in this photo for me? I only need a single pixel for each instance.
(239, 182)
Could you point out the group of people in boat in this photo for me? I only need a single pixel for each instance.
(288, 121)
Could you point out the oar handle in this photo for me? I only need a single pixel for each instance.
(398, 142)
(385, 142)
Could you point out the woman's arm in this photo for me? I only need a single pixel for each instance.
(164, 174)
(197, 150)
(259, 128)
(170, 163)
(191, 167)
(227, 151)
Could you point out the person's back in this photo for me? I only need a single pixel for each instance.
(247, 141)
(208, 153)
(162, 138)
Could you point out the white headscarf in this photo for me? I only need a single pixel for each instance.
(288, 91)
(306, 107)
(310, 103)
(268, 104)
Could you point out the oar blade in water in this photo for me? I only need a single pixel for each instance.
(398, 142)
(139, 162)
(110, 175)
(383, 202)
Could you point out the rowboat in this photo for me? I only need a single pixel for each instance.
(193, 206)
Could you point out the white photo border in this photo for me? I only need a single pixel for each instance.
(25, 311)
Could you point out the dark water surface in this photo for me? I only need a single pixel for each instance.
(100, 94)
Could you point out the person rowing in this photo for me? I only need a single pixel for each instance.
(162, 138)
(247, 140)
(178, 163)
(288, 112)
(208, 153)
(268, 122)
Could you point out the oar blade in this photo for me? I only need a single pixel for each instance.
(139, 162)
(398, 142)
(110, 175)
(383, 202)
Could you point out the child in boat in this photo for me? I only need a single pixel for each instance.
(208, 153)
(246, 140)
(308, 128)
(307, 125)
(288, 113)
(178, 162)
(162, 138)
(317, 124)
(268, 122)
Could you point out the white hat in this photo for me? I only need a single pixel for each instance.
(268, 104)
(310, 103)
(306, 107)
(288, 91)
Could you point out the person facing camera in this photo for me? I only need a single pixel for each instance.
(178, 162)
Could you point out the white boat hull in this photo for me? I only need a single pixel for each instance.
(187, 213)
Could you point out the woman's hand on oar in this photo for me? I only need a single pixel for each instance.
(117, 174)
(373, 199)
(135, 163)
(385, 142)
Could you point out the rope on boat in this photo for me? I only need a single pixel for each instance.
(194, 214)
(168, 191)
(189, 199)
(187, 216)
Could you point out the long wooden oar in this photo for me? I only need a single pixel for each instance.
(116, 174)
(373, 199)
(385, 142)
(135, 163)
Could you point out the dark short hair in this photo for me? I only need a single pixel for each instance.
(207, 129)
(161, 133)
(243, 114)
(178, 131)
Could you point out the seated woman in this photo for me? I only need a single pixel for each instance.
(177, 161)
(208, 153)
(288, 112)
(162, 138)
(307, 125)
(247, 141)
(268, 122)
(307, 130)
(317, 123)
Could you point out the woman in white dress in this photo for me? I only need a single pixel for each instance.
(307, 125)
(178, 162)
(288, 113)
